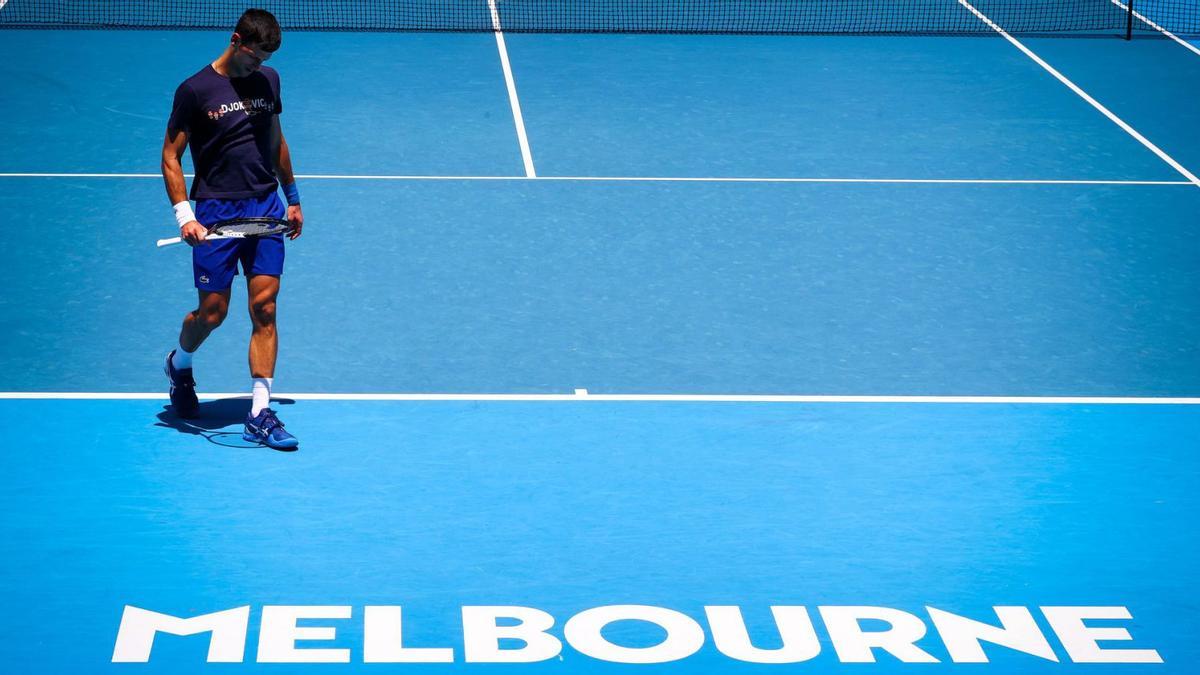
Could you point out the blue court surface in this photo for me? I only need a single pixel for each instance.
(729, 353)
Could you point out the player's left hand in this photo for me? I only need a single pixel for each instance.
(296, 217)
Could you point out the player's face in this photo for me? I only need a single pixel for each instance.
(248, 57)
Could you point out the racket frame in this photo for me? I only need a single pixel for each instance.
(214, 233)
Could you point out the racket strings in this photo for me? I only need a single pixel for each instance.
(250, 227)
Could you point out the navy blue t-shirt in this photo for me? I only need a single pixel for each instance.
(228, 122)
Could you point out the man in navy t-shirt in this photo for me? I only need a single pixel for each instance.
(228, 115)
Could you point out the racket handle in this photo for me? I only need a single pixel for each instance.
(179, 240)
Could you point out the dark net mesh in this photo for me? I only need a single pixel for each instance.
(621, 16)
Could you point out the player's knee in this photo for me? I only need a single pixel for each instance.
(263, 313)
(212, 316)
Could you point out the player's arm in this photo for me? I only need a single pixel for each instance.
(174, 144)
(282, 157)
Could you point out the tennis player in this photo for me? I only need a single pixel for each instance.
(228, 114)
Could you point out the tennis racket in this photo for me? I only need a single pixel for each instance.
(239, 228)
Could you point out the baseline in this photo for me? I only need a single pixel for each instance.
(582, 395)
(656, 179)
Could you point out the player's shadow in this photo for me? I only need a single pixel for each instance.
(213, 420)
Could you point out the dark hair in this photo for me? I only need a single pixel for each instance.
(259, 27)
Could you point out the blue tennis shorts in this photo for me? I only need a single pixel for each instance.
(214, 264)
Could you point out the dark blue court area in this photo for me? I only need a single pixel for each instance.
(619, 352)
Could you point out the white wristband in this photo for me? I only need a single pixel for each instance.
(183, 213)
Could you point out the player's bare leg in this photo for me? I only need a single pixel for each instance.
(264, 338)
(262, 425)
(202, 321)
(197, 326)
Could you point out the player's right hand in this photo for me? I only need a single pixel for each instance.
(193, 233)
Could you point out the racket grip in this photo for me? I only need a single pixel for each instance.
(170, 241)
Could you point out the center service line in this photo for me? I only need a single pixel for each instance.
(511, 83)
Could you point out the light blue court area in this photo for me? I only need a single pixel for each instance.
(619, 287)
(569, 506)
(1146, 82)
(830, 106)
(436, 104)
(808, 217)
(353, 102)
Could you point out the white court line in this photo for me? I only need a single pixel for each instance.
(582, 395)
(511, 83)
(654, 179)
(1191, 47)
(1084, 95)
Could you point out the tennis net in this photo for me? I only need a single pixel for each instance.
(623, 16)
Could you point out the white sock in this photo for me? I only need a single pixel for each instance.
(182, 359)
(261, 392)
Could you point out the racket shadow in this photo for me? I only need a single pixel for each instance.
(219, 422)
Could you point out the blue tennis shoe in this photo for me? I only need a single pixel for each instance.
(268, 430)
(183, 389)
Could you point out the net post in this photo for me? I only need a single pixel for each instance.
(1129, 20)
